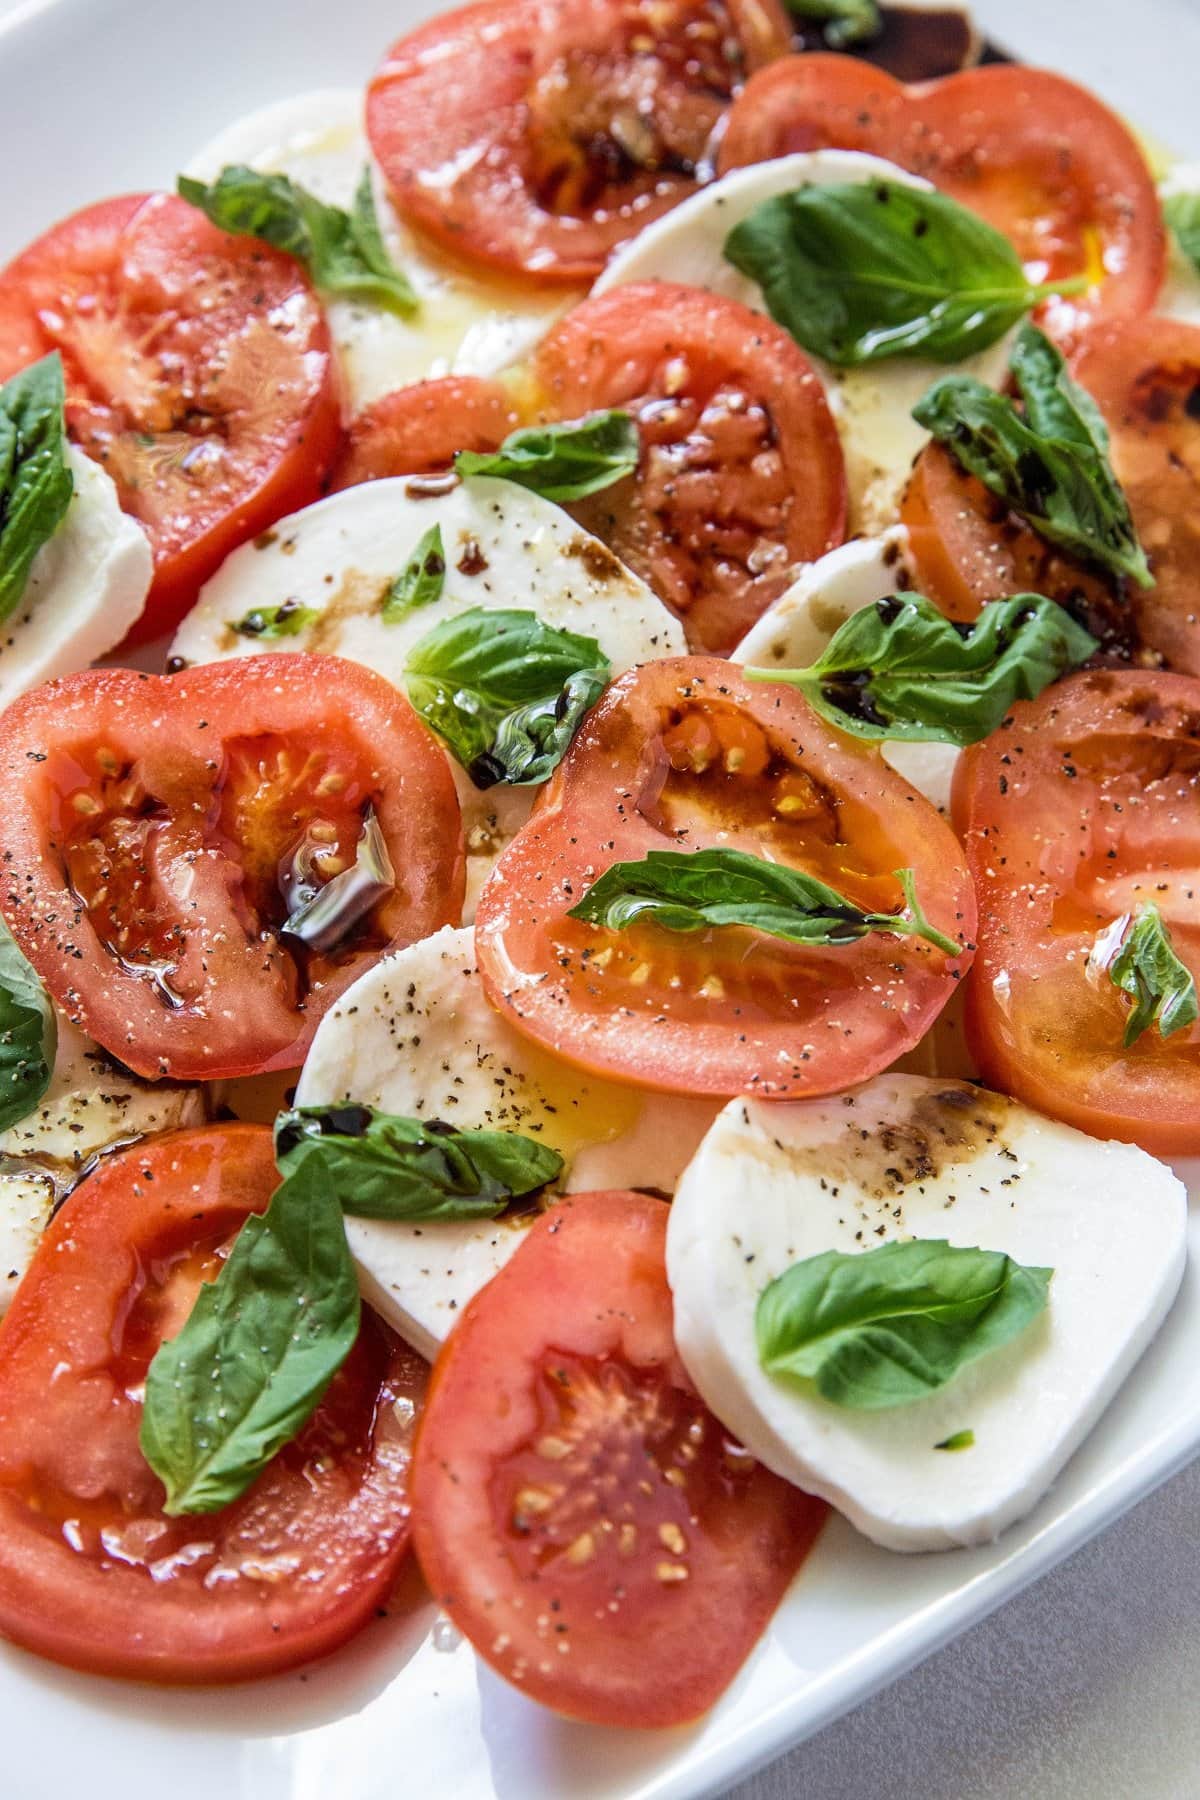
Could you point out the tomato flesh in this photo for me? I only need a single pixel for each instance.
(578, 1511)
(92, 1571)
(421, 428)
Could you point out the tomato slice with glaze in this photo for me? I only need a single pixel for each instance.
(685, 754)
(536, 135)
(160, 830)
(578, 1511)
(92, 1571)
(1040, 158)
(422, 428)
(1084, 805)
(199, 375)
(741, 474)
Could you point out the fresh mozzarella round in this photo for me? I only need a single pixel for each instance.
(872, 405)
(505, 547)
(89, 1107)
(86, 587)
(1180, 297)
(465, 324)
(901, 1158)
(415, 1036)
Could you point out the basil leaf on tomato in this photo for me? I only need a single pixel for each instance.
(844, 22)
(879, 1328)
(1148, 968)
(36, 482)
(562, 462)
(420, 581)
(28, 1034)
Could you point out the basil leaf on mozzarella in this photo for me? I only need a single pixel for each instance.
(420, 581)
(958, 1440)
(884, 1327)
(1182, 214)
(385, 1167)
(36, 483)
(845, 22)
(343, 252)
(1148, 969)
(28, 1034)
(901, 669)
(259, 1348)
(693, 890)
(324, 911)
(504, 691)
(1050, 463)
(861, 271)
(288, 619)
(562, 462)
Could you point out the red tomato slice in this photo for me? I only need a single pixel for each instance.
(685, 754)
(199, 375)
(422, 427)
(537, 135)
(578, 1511)
(741, 473)
(1040, 158)
(1083, 806)
(92, 1572)
(153, 824)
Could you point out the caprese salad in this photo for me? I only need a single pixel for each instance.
(601, 769)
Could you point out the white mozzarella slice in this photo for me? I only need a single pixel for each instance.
(466, 324)
(1180, 296)
(86, 587)
(88, 1108)
(416, 1036)
(905, 1158)
(872, 405)
(505, 547)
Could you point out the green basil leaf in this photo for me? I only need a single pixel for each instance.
(506, 692)
(1182, 214)
(901, 669)
(258, 1350)
(694, 890)
(36, 482)
(846, 22)
(28, 1034)
(958, 1440)
(324, 912)
(562, 462)
(288, 619)
(1051, 464)
(420, 581)
(344, 253)
(382, 1166)
(884, 1327)
(1147, 968)
(862, 271)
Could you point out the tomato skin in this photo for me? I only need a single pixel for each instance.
(199, 375)
(535, 136)
(1042, 159)
(150, 819)
(686, 753)
(136, 1604)
(422, 427)
(550, 1598)
(741, 474)
(1081, 806)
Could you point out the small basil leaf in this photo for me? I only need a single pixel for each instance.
(504, 691)
(344, 253)
(385, 1167)
(420, 581)
(884, 1327)
(562, 462)
(36, 482)
(258, 1350)
(958, 1440)
(901, 669)
(1182, 214)
(694, 890)
(28, 1034)
(325, 912)
(862, 271)
(288, 619)
(1147, 968)
(846, 22)
(1051, 464)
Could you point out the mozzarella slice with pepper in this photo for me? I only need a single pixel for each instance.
(416, 1036)
(902, 1158)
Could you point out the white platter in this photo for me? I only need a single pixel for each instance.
(102, 96)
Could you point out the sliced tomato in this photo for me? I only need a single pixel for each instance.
(741, 474)
(422, 427)
(1082, 807)
(92, 1571)
(537, 135)
(156, 831)
(686, 755)
(199, 375)
(1039, 157)
(578, 1511)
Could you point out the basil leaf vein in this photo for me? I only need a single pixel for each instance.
(28, 1034)
(1148, 969)
(36, 482)
(420, 581)
(562, 462)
